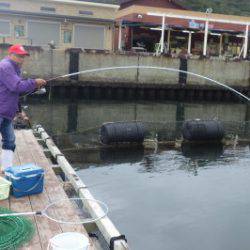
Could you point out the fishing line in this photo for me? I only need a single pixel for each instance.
(147, 67)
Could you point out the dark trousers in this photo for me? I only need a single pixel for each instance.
(7, 132)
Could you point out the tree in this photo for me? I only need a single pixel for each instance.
(233, 7)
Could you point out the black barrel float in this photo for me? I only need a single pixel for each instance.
(202, 151)
(118, 155)
(120, 132)
(202, 130)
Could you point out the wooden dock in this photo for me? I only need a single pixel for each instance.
(28, 150)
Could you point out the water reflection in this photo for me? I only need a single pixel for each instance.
(59, 117)
(208, 151)
(193, 158)
(121, 155)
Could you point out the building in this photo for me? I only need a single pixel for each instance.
(159, 26)
(83, 24)
(165, 26)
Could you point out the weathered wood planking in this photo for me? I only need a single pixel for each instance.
(22, 204)
(53, 187)
(46, 228)
(29, 151)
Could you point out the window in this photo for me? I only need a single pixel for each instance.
(89, 36)
(19, 31)
(67, 36)
(4, 5)
(41, 33)
(47, 9)
(86, 12)
(4, 28)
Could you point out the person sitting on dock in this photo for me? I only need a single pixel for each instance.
(11, 86)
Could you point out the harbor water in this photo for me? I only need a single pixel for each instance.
(173, 198)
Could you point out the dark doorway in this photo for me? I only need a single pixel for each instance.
(74, 63)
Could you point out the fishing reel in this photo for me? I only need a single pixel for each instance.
(40, 91)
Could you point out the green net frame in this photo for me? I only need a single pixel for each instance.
(14, 231)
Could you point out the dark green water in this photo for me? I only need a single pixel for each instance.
(173, 199)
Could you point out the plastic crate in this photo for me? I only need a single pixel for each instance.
(4, 188)
(26, 179)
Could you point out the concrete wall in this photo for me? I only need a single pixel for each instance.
(96, 61)
(231, 73)
(158, 76)
(40, 64)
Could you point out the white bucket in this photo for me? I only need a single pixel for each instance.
(69, 241)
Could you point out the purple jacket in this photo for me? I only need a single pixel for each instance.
(11, 85)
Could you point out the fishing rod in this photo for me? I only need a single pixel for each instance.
(148, 67)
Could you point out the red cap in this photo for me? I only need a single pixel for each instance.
(18, 49)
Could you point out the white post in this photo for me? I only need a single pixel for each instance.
(221, 40)
(120, 37)
(189, 41)
(205, 39)
(246, 42)
(162, 33)
(169, 35)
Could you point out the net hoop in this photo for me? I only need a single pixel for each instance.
(102, 207)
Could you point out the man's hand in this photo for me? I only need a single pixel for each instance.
(40, 83)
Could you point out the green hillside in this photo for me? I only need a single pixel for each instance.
(240, 7)
(235, 7)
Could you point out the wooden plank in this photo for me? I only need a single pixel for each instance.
(5, 203)
(46, 228)
(53, 187)
(28, 151)
(23, 204)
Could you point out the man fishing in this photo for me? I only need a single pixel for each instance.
(11, 86)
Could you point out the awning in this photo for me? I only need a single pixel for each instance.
(139, 14)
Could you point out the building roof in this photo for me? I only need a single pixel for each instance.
(101, 1)
(127, 1)
(175, 4)
(139, 14)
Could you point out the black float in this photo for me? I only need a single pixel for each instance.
(122, 132)
(202, 130)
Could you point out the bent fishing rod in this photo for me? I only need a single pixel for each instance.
(146, 67)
